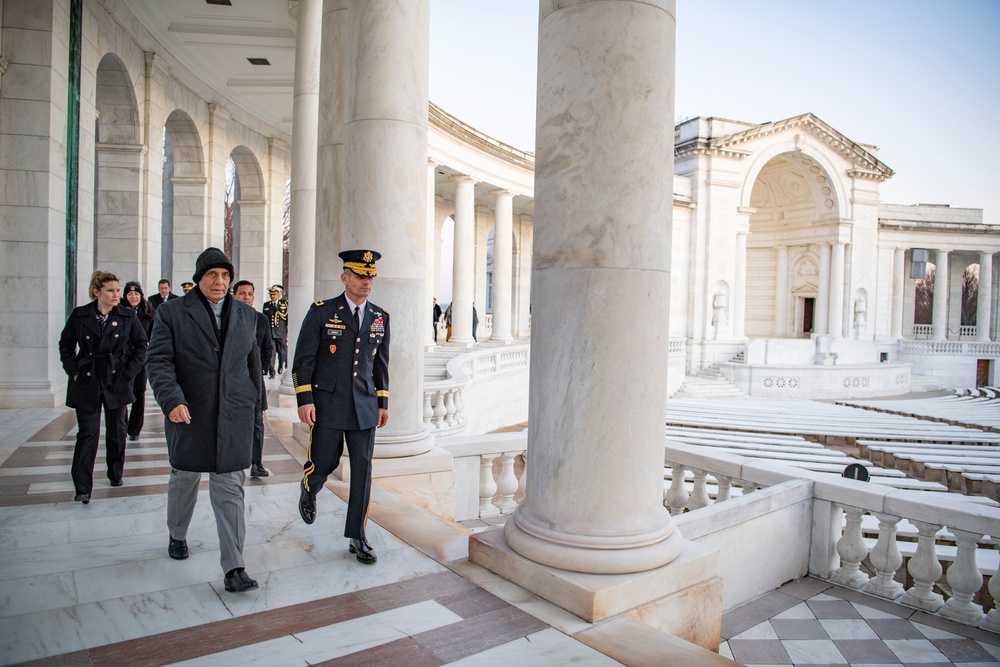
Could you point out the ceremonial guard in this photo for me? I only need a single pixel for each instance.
(276, 311)
(341, 378)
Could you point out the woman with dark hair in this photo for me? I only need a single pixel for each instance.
(144, 310)
(102, 349)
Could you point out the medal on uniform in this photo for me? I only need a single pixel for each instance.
(333, 348)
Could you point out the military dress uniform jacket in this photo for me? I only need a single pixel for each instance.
(103, 362)
(277, 315)
(219, 380)
(333, 356)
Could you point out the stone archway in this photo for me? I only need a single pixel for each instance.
(118, 151)
(793, 204)
(184, 228)
(250, 228)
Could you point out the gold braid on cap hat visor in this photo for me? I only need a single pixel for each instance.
(361, 268)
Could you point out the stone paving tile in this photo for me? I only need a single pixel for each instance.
(759, 651)
(754, 612)
(894, 629)
(833, 609)
(798, 629)
(870, 651)
(962, 650)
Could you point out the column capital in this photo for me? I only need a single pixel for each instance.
(462, 178)
(500, 192)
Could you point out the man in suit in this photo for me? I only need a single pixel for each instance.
(244, 291)
(437, 318)
(204, 365)
(341, 378)
(163, 294)
(276, 311)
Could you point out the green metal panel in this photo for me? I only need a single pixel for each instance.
(73, 149)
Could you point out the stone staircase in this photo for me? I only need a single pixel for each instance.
(707, 383)
(437, 359)
(921, 383)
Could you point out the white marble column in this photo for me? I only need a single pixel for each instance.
(740, 286)
(822, 323)
(430, 284)
(502, 265)
(385, 192)
(781, 291)
(463, 282)
(594, 499)
(330, 152)
(898, 282)
(939, 314)
(305, 123)
(836, 317)
(985, 302)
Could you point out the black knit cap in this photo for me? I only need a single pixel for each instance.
(212, 258)
(133, 286)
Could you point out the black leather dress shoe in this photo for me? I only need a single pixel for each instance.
(257, 470)
(82, 498)
(133, 438)
(238, 581)
(116, 482)
(363, 550)
(178, 549)
(270, 375)
(307, 506)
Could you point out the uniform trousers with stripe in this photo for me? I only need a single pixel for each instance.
(325, 450)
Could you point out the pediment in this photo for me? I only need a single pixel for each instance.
(866, 165)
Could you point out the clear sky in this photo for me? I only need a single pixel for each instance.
(920, 79)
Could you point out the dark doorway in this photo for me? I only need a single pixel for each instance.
(809, 305)
(982, 372)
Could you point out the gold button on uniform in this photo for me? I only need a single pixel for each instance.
(355, 374)
(355, 363)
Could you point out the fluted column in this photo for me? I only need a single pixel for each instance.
(385, 192)
(602, 240)
(430, 284)
(740, 285)
(463, 282)
(330, 149)
(898, 281)
(305, 123)
(939, 314)
(837, 290)
(503, 248)
(781, 291)
(985, 302)
(822, 324)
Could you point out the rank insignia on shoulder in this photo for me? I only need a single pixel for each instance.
(317, 303)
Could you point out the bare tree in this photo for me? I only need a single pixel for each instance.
(229, 206)
(970, 295)
(923, 306)
(286, 225)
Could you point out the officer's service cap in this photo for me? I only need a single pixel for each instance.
(362, 262)
(275, 289)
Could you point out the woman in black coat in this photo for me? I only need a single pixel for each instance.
(136, 300)
(102, 348)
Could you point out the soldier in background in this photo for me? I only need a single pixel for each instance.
(276, 311)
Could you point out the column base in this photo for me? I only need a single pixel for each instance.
(683, 597)
(388, 446)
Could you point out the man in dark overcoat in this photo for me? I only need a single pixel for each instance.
(243, 291)
(102, 349)
(341, 377)
(276, 311)
(204, 366)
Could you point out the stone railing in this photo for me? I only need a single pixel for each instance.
(967, 331)
(921, 330)
(445, 400)
(483, 488)
(963, 534)
(952, 347)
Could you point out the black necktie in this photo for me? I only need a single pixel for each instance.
(357, 317)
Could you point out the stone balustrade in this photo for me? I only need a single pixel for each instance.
(956, 532)
(479, 378)
(954, 347)
(481, 491)
(922, 330)
(967, 331)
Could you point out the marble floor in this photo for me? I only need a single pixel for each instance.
(92, 584)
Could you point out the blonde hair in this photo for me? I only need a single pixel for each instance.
(97, 280)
